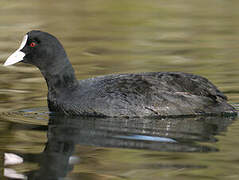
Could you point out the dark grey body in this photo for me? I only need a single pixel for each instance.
(144, 94)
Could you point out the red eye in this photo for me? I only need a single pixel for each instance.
(33, 44)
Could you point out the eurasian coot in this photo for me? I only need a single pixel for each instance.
(121, 95)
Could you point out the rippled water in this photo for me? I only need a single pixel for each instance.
(104, 37)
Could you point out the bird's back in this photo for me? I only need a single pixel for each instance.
(147, 94)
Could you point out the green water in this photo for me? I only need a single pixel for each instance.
(105, 37)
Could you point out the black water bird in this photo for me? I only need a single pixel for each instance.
(117, 95)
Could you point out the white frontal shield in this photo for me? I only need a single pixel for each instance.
(18, 55)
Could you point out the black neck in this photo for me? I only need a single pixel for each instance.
(63, 78)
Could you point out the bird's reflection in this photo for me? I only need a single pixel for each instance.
(168, 134)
